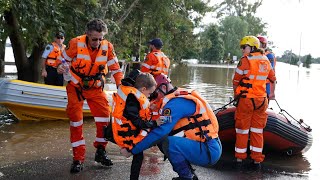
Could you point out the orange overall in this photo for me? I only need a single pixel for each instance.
(250, 84)
(86, 65)
(156, 63)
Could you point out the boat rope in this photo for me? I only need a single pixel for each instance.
(224, 106)
(234, 102)
(300, 121)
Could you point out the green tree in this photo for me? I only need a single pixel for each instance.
(255, 25)
(245, 11)
(239, 8)
(233, 28)
(31, 24)
(172, 21)
(289, 57)
(308, 61)
(316, 60)
(212, 45)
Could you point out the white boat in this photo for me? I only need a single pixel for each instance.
(34, 101)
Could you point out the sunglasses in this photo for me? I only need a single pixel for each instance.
(96, 39)
(243, 46)
(59, 37)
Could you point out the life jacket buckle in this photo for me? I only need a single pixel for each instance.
(85, 81)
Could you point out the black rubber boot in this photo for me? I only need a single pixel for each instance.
(181, 178)
(76, 167)
(101, 157)
(238, 165)
(194, 177)
(256, 166)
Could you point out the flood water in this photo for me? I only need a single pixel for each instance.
(296, 91)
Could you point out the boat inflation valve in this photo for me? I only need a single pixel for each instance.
(289, 152)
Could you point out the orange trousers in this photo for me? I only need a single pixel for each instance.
(98, 104)
(250, 116)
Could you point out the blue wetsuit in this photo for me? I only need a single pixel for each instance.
(180, 150)
(271, 59)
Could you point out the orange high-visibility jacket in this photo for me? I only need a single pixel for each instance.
(156, 63)
(253, 85)
(83, 66)
(54, 54)
(125, 133)
(202, 125)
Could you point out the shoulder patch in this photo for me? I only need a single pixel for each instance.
(48, 47)
(166, 112)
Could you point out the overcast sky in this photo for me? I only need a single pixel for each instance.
(287, 21)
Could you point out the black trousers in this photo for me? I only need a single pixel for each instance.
(136, 166)
(53, 78)
(137, 158)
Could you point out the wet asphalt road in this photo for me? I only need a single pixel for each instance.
(41, 150)
(153, 168)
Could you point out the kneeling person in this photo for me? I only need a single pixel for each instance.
(190, 134)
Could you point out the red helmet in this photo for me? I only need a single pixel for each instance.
(262, 39)
(162, 79)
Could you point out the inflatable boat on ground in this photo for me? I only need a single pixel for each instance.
(281, 134)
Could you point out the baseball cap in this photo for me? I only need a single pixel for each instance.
(156, 42)
(59, 34)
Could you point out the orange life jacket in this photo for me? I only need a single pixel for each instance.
(83, 71)
(54, 54)
(162, 66)
(254, 83)
(125, 134)
(202, 125)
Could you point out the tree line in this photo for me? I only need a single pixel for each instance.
(292, 58)
(31, 24)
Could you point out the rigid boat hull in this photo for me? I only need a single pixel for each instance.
(34, 101)
(280, 134)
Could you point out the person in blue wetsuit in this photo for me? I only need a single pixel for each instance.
(189, 133)
(272, 58)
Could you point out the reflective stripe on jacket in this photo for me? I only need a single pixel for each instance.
(202, 125)
(254, 83)
(124, 132)
(54, 54)
(161, 67)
